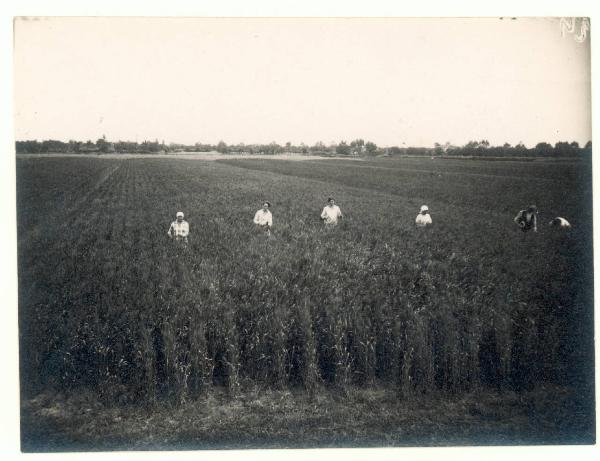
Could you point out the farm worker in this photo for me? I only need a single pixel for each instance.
(423, 218)
(179, 229)
(264, 219)
(527, 219)
(331, 213)
(560, 223)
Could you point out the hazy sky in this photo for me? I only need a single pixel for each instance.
(392, 81)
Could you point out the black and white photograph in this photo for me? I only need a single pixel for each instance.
(241, 233)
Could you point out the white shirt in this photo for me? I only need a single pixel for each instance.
(179, 229)
(263, 218)
(331, 214)
(423, 220)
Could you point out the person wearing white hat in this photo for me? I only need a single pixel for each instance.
(423, 218)
(264, 219)
(179, 229)
(560, 223)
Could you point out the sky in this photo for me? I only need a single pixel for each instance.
(401, 81)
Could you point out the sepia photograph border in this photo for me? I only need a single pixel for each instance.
(9, 337)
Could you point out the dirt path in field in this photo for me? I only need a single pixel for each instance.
(196, 156)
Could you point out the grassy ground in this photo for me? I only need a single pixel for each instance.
(115, 320)
(292, 419)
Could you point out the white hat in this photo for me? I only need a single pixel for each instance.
(180, 213)
(424, 208)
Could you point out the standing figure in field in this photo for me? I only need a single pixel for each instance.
(527, 219)
(264, 219)
(560, 223)
(179, 229)
(331, 213)
(423, 218)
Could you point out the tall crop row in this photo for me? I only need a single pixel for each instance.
(108, 302)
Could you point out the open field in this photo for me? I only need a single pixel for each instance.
(471, 316)
(213, 155)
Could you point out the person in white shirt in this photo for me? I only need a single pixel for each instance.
(560, 223)
(527, 219)
(263, 218)
(179, 229)
(331, 213)
(423, 218)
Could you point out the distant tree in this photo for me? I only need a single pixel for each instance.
(319, 147)
(200, 147)
(102, 144)
(52, 145)
(238, 148)
(174, 147)
(479, 145)
(73, 146)
(222, 147)
(371, 147)
(28, 147)
(273, 148)
(127, 146)
(543, 149)
(450, 149)
(357, 146)
(520, 149)
(343, 148)
(566, 149)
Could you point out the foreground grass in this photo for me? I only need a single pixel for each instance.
(110, 312)
(288, 419)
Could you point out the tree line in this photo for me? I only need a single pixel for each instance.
(357, 147)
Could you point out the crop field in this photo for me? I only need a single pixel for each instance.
(370, 333)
